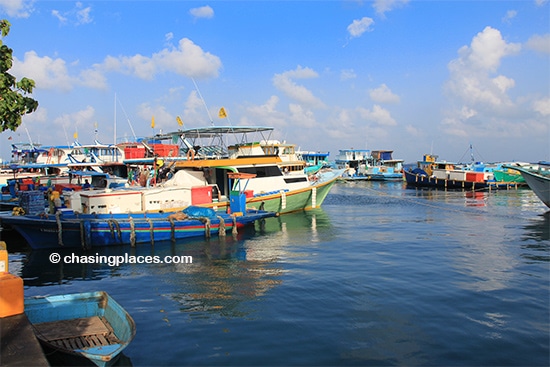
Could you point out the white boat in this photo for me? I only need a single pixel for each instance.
(362, 164)
(538, 180)
(207, 175)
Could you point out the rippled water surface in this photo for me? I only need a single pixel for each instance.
(380, 275)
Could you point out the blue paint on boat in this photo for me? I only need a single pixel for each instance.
(69, 229)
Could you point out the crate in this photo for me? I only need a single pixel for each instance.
(201, 195)
(166, 150)
(475, 177)
(134, 152)
(32, 202)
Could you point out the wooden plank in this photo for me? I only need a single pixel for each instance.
(71, 328)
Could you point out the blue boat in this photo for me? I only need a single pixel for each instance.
(81, 326)
(69, 229)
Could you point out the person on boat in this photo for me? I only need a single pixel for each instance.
(54, 201)
(86, 185)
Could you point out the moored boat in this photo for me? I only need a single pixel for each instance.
(538, 180)
(205, 174)
(430, 172)
(70, 229)
(81, 326)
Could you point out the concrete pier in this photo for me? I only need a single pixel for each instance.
(18, 344)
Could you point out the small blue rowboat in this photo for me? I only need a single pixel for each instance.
(84, 325)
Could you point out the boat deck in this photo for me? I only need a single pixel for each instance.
(83, 333)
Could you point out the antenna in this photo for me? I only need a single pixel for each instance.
(203, 102)
(29, 136)
(129, 123)
(66, 136)
(114, 124)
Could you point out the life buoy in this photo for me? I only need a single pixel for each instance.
(190, 154)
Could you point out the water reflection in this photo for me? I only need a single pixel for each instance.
(225, 273)
(536, 237)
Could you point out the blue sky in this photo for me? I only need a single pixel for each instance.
(412, 76)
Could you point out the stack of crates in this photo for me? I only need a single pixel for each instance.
(32, 202)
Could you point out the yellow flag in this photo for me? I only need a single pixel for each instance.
(180, 122)
(222, 113)
(75, 135)
(153, 122)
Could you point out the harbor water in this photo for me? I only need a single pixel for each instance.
(381, 275)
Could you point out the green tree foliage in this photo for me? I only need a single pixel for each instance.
(14, 99)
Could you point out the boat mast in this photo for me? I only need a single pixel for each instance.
(114, 129)
(203, 102)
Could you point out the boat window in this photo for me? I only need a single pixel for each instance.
(295, 179)
(262, 171)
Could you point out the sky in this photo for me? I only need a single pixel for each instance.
(412, 76)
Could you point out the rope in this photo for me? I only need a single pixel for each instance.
(234, 230)
(151, 231)
(206, 222)
(132, 232)
(172, 229)
(221, 228)
(117, 226)
(111, 228)
(59, 228)
(113, 224)
(82, 236)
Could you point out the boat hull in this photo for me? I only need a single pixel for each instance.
(80, 326)
(423, 180)
(98, 230)
(540, 184)
(285, 201)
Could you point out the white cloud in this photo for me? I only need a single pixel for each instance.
(486, 108)
(266, 114)
(347, 74)
(47, 73)
(187, 60)
(59, 17)
(358, 27)
(138, 65)
(486, 50)
(77, 16)
(540, 2)
(38, 116)
(383, 94)
(378, 115)
(163, 119)
(413, 131)
(383, 6)
(93, 78)
(539, 43)
(194, 113)
(17, 8)
(284, 82)
(83, 14)
(301, 117)
(202, 12)
(80, 121)
(470, 74)
(510, 14)
(542, 106)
